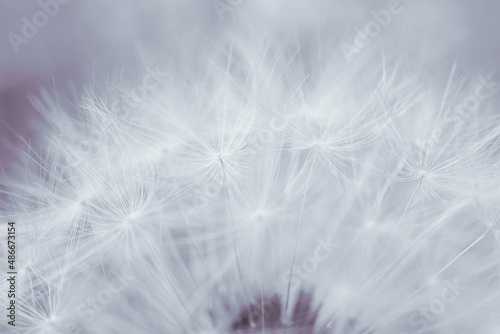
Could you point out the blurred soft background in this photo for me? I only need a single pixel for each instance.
(85, 40)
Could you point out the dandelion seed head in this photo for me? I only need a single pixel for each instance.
(260, 171)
